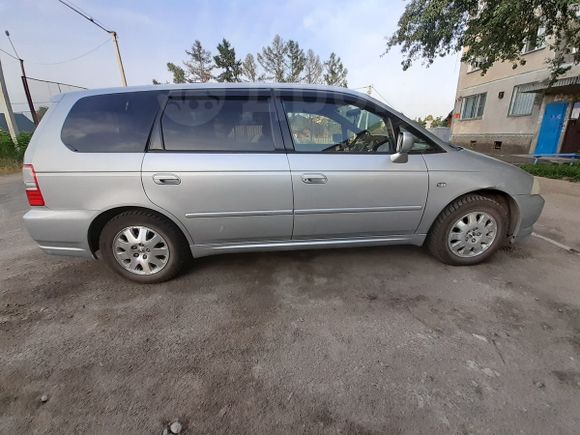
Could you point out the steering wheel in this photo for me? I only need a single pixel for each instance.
(355, 139)
(360, 135)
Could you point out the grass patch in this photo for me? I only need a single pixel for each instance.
(9, 165)
(12, 153)
(562, 171)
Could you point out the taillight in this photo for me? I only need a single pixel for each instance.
(33, 192)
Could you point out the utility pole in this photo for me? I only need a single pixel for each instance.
(110, 32)
(6, 107)
(24, 81)
(119, 60)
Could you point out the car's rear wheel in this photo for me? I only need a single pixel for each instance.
(468, 231)
(143, 246)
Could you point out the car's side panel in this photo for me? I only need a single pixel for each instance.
(364, 195)
(456, 173)
(225, 198)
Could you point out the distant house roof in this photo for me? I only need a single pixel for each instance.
(24, 124)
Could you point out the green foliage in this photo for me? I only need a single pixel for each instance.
(273, 60)
(493, 30)
(312, 68)
(296, 62)
(179, 75)
(249, 68)
(335, 72)
(226, 60)
(11, 154)
(421, 122)
(281, 61)
(199, 64)
(554, 170)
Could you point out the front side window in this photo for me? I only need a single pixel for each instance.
(111, 123)
(472, 106)
(327, 126)
(217, 124)
(522, 102)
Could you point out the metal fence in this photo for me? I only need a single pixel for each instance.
(40, 92)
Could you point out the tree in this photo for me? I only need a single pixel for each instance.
(226, 60)
(492, 30)
(312, 68)
(295, 62)
(200, 65)
(179, 75)
(335, 72)
(249, 68)
(273, 60)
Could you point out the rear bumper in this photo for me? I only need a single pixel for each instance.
(60, 232)
(530, 207)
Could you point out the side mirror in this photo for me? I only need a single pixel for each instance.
(405, 142)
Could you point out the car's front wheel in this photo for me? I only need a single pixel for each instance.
(143, 246)
(468, 231)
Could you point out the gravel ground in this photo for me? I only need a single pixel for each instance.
(377, 340)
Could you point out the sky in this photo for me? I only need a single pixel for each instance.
(47, 35)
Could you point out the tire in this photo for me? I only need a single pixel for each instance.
(143, 247)
(447, 234)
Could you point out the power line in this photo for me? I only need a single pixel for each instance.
(74, 58)
(113, 34)
(11, 55)
(84, 15)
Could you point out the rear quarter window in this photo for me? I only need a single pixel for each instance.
(111, 123)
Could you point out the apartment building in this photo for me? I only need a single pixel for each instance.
(515, 111)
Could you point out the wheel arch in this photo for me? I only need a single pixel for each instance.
(105, 216)
(500, 196)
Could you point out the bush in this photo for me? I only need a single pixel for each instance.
(11, 150)
(554, 170)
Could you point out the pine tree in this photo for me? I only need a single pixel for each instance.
(273, 60)
(249, 68)
(200, 65)
(295, 62)
(312, 68)
(226, 60)
(179, 75)
(335, 72)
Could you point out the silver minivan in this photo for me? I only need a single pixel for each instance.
(148, 177)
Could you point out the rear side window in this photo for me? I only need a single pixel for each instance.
(218, 124)
(112, 123)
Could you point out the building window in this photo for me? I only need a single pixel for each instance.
(537, 42)
(522, 103)
(476, 65)
(472, 106)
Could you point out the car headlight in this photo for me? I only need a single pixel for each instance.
(535, 187)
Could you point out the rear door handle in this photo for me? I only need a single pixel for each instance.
(166, 179)
(314, 178)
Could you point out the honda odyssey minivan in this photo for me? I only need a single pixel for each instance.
(147, 177)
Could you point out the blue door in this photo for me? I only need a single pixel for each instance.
(551, 128)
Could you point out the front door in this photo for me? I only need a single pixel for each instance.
(345, 184)
(571, 142)
(551, 128)
(218, 165)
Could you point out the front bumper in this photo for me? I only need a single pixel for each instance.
(60, 232)
(530, 208)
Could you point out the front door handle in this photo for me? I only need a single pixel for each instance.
(314, 178)
(166, 179)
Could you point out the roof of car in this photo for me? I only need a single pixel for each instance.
(215, 85)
